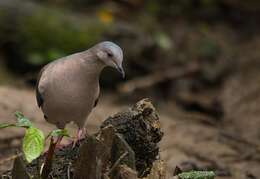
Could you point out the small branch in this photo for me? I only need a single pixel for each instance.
(10, 158)
(117, 162)
(68, 171)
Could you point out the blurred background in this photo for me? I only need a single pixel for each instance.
(198, 60)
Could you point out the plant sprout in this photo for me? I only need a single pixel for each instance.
(34, 139)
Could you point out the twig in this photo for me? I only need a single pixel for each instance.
(155, 78)
(117, 162)
(10, 158)
(68, 171)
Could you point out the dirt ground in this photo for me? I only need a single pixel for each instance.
(191, 140)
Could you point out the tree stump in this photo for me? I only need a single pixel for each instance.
(126, 147)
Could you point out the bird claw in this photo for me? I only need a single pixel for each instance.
(78, 137)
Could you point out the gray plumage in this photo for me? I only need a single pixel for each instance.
(68, 88)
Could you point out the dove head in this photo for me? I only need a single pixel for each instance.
(111, 55)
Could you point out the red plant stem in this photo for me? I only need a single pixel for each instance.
(48, 160)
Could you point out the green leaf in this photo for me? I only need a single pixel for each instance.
(6, 125)
(22, 121)
(197, 175)
(33, 143)
(59, 133)
(18, 114)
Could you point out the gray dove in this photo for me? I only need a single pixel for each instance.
(68, 88)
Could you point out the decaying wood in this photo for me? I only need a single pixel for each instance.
(126, 147)
(93, 155)
(125, 172)
(19, 170)
(121, 154)
(140, 128)
(158, 170)
(98, 153)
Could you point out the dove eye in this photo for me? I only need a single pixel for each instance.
(109, 54)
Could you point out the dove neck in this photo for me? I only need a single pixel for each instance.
(91, 62)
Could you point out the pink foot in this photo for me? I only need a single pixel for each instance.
(79, 134)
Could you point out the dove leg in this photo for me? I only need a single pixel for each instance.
(80, 132)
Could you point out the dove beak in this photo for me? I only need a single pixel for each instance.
(121, 70)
